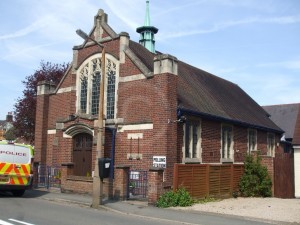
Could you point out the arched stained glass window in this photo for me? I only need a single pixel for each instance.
(90, 87)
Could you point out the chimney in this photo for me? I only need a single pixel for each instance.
(9, 117)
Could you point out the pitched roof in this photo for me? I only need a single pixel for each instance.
(208, 95)
(285, 116)
(143, 54)
(203, 92)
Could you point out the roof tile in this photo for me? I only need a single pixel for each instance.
(208, 94)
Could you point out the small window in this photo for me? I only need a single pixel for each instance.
(192, 140)
(227, 142)
(271, 144)
(252, 140)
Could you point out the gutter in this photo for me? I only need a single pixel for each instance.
(181, 112)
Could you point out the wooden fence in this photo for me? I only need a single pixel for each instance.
(284, 177)
(202, 180)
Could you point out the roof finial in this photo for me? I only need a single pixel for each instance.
(147, 16)
(147, 32)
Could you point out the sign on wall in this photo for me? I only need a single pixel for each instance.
(160, 161)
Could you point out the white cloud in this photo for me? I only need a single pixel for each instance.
(227, 24)
(131, 15)
(36, 25)
(291, 64)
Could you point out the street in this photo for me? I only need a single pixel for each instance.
(45, 208)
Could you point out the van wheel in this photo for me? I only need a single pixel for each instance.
(18, 193)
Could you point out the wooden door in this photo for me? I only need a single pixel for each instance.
(82, 154)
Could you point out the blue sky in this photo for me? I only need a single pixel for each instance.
(253, 43)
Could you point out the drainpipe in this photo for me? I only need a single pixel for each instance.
(112, 153)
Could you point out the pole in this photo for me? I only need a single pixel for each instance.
(97, 182)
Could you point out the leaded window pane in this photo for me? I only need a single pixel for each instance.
(252, 140)
(192, 141)
(195, 140)
(83, 95)
(226, 141)
(223, 144)
(111, 84)
(187, 140)
(90, 87)
(95, 93)
(271, 144)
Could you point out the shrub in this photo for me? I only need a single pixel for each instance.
(180, 197)
(205, 200)
(255, 181)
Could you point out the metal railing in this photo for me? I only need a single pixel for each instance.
(48, 176)
(138, 182)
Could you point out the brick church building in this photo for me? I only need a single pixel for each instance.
(158, 111)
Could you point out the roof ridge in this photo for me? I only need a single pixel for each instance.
(284, 104)
(208, 73)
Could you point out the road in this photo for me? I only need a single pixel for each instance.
(37, 208)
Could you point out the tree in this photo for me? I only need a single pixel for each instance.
(10, 134)
(25, 107)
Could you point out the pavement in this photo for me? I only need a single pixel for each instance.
(142, 209)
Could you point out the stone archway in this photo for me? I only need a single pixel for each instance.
(82, 136)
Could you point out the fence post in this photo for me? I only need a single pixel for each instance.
(231, 179)
(175, 181)
(207, 179)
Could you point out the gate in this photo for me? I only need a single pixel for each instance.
(284, 175)
(137, 184)
(48, 176)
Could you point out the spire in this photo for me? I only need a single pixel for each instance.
(147, 16)
(147, 32)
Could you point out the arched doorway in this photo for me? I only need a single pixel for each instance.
(82, 154)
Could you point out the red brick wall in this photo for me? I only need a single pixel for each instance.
(240, 143)
(180, 137)
(135, 101)
(164, 133)
(125, 145)
(128, 68)
(41, 128)
(262, 142)
(211, 141)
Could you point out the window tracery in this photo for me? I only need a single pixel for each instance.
(90, 78)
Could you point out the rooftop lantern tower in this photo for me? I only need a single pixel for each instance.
(147, 32)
